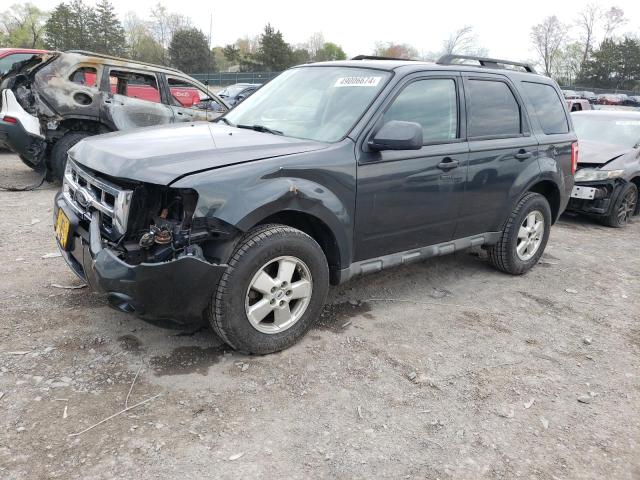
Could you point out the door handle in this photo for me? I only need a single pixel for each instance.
(522, 154)
(447, 164)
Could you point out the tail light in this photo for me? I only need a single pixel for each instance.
(9, 119)
(574, 157)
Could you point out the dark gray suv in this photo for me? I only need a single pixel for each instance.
(329, 171)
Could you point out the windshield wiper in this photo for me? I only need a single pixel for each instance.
(261, 128)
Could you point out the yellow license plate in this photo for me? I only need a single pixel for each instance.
(62, 228)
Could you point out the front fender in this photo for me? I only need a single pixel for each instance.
(245, 195)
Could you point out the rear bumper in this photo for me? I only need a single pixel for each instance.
(606, 195)
(178, 290)
(22, 135)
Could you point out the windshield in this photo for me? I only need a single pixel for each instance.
(616, 131)
(317, 103)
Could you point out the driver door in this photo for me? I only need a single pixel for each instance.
(190, 103)
(411, 198)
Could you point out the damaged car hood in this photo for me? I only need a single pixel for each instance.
(163, 154)
(599, 153)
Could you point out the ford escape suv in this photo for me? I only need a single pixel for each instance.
(329, 171)
(52, 100)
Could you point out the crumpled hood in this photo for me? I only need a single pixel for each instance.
(162, 154)
(600, 153)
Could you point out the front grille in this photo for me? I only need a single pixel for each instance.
(86, 193)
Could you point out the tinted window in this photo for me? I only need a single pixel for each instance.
(432, 104)
(492, 109)
(548, 107)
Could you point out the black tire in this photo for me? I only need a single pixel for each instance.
(503, 255)
(58, 159)
(623, 208)
(227, 313)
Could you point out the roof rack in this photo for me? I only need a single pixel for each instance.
(375, 57)
(484, 62)
(120, 59)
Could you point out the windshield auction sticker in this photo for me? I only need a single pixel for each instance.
(628, 122)
(357, 82)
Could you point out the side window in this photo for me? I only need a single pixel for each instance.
(134, 85)
(492, 110)
(188, 95)
(548, 107)
(7, 62)
(433, 104)
(87, 76)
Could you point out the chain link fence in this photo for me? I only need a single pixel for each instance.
(222, 79)
(598, 91)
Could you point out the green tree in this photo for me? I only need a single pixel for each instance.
(22, 26)
(219, 59)
(71, 26)
(614, 65)
(141, 45)
(189, 51)
(273, 52)
(330, 51)
(109, 35)
(300, 56)
(232, 54)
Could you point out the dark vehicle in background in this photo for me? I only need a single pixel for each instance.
(9, 56)
(53, 100)
(587, 95)
(235, 94)
(630, 101)
(570, 94)
(578, 105)
(608, 175)
(329, 171)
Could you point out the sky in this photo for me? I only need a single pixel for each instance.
(503, 27)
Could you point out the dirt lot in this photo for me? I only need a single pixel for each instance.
(445, 369)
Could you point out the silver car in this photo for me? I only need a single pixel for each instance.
(608, 175)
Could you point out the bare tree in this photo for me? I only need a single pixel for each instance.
(613, 19)
(548, 39)
(587, 21)
(463, 42)
(314, 44)
(165, 24)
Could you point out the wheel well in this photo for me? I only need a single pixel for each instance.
(550, 191)
(316, 229)
(92, 127)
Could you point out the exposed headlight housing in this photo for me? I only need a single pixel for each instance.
(593, 175)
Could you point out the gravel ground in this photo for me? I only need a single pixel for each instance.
(445, 369)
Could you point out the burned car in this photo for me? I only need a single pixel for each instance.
(327, 172)
(51, 101)
(608, 175)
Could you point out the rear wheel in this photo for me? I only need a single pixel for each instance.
(624, 207)
(272, 292)
(524, 237)
(60, 151)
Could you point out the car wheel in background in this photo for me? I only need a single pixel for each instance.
(624, 207)
(60, 151)
(524, 237)
(272, 292)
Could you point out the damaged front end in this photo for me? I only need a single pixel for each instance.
(140, 244)
(595, 190)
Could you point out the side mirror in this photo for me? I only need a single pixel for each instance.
(397, 135)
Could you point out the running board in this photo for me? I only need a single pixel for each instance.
(417, 254)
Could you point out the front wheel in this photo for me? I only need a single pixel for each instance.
(272, 292)
(524, 237)
(624, 207)
(60, 150)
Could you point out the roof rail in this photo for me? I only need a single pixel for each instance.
(375, 57)
(484, 62)
(120, 59)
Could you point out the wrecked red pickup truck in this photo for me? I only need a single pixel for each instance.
(51, 101)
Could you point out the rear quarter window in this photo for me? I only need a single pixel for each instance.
(547, 106)
(493, 111)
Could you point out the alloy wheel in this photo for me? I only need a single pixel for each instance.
(530, 235)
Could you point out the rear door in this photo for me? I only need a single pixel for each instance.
(501, 148)
(132, 99)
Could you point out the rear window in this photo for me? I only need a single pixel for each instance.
(547, 106)
(493, 110)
